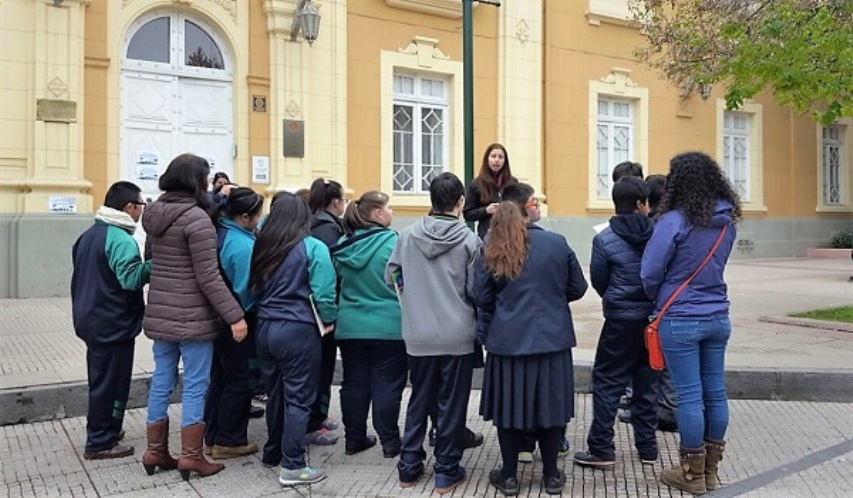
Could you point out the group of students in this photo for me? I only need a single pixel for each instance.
(234, 294)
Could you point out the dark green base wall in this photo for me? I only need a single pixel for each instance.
(35, 250)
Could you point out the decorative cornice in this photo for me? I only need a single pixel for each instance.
(96, 62)
(443, 8)
(258, 80)
(280, 15)
(620, 77)
(425, 49)
(229, 6)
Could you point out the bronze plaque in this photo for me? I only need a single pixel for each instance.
(60, 111)
(294, 138)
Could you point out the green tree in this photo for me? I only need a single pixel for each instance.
(800, 49)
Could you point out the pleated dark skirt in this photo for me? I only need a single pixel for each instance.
(526, 392)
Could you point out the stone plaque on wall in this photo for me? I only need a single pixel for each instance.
(61, 111)
(294, 138)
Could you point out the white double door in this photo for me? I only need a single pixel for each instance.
(165, 115)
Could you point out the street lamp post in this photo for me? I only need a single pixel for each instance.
(468, 82)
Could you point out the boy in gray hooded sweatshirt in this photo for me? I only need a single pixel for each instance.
(433, 268)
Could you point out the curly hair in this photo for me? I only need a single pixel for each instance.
(694, 184)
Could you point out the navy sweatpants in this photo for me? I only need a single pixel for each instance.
(440, 384)
(289, 353)
(109, 369)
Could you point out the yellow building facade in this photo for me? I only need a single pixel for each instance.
(95, 91)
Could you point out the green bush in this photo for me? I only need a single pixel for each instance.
(843, 239)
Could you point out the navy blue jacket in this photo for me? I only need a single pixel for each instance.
(106, 285)
(614, 268)
(530, 314)
(674, 252)
(305, 275)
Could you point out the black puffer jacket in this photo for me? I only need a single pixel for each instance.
(615, 267)
(326, 227)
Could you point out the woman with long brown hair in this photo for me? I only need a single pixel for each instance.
(484, 193)
(525, 280)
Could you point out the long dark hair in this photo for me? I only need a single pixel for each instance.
(187, 173)
(243, 200)
(486, 181)
(357, 214)
(694, 184)
(288, 223)
(324, 192)
(509, 241)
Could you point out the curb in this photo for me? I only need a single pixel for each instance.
(58, 401)
(809, 322)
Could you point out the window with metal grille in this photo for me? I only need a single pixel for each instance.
(420, 131)
(736, 159)
(832, 150)
(615, 131)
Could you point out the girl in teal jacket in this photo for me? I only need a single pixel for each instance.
(235, 365)
(369, 330)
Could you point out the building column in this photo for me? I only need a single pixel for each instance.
(520, 79)
(307, 85)
(54, 179)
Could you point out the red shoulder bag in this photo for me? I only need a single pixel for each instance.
(656, 360)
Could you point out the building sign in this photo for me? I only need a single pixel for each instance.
(294, 138)
(261, 169)
(62, 204)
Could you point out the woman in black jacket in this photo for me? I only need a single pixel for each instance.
(525, 280)
(327, 202)
(484, 193)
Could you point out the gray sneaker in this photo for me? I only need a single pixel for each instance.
(296, 477)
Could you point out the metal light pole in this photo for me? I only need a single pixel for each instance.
(468, 82)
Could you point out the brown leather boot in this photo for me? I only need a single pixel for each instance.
(157, 454)
(714, 453)
(689, 475)
(221, 452)
(192, 458)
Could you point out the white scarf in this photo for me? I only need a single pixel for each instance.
(117, 218)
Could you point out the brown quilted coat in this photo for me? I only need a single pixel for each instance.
(187, 295)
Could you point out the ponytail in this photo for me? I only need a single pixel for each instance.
(508, 241)
(323, 192)
(357, 214)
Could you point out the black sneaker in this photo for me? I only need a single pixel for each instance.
(564, 447)
(555, 485)
(508, 486)
(256, 412)
(391, 450)
(624, 415)
(587, 459)
(472, 439)
(667, 426)
(353, 447)
(432, 436)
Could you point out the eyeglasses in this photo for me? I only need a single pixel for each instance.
(532, 203)
(139, 203)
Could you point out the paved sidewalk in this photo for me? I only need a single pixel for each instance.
(775, 449)
(43, 369)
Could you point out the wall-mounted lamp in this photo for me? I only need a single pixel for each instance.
(58, 3)
(705, 90)
(307, 20)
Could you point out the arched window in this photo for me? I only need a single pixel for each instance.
(151, 42)
(200, 50)
(175, 42)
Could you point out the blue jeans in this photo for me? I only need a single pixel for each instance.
(197, 357)
(695, 351)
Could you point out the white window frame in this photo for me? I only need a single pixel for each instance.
(617, 86)
(604, 176)
(423, 57)
(754, 200)
(845, 139)
(737, 169)
(419, 101)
